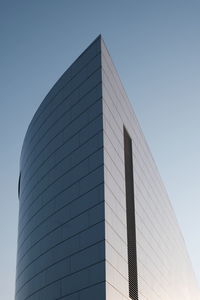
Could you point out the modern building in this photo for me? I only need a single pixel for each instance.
(95, 221)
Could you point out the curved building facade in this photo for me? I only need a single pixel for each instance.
(95, 221)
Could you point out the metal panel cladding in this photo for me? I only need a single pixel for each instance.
(72, 241)
(61, 247)
(164, 271)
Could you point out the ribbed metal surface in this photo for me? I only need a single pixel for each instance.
(130, 211)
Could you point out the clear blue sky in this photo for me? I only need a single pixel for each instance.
(155, 46)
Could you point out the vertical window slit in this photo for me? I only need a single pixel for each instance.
(19, 182)
(130, 215)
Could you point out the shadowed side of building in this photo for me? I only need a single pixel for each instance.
(61, 241)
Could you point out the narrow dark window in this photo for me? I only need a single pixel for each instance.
(19, 181)
(130, 215)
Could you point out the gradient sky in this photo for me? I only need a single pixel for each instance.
(155, 45)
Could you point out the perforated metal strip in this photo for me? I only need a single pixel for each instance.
(130, 214)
